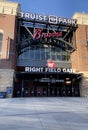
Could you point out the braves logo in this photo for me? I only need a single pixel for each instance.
(51, 64)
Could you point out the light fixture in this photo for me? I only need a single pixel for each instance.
(68, 82)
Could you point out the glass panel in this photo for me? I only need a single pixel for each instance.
(0, 37)
(32, 54)
(47, 53)
(25, 55)
(59, 57)
(63, 57)
(68, 57)
(53, 57)
(58, 49)
(53, 53)
(58, 53)
(20, 56)
(42, 53)
(37, 53)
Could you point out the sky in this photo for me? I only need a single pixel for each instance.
(61, 8)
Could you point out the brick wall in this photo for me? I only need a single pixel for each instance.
(8, 56)
(8, 26)
(80, 56)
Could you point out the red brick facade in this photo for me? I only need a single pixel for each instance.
(80, 56)
(8, 29)
(8, 52)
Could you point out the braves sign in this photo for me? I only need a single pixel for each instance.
(40, 34)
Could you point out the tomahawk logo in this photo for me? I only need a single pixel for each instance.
(51, 64)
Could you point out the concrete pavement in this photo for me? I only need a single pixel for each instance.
(44, 113)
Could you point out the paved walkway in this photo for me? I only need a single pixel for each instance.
(44, 114)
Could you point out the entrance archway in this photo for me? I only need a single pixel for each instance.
(46, 85)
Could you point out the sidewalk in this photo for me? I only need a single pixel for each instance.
(44, 113)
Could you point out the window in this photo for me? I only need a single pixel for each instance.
(53, 54)
(32, 51)
(1, 35)
(37, 53)
(47, 53)
(42, 53)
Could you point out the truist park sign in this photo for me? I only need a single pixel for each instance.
(48, 19)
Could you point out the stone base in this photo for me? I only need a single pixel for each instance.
(6, 81)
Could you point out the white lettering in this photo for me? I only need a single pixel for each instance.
(27, 15)
(58, 70)
(68, 70)
(50, 19)
(32, 16)
(33, 69)
(37, 16)
(74, 70)
(60, 20)
(26, 69)
(73, 22)
(41, 17)
(65, 21)
(45, 18)
(69, 21)
(47, 69)
(64, 70)
(22, 14)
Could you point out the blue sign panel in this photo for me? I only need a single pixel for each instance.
(9, 90)
(2, 94)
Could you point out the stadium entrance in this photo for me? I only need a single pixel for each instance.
(47, 85)
(44, 68)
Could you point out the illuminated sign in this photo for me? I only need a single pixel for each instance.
(48, 19)
(40, 34)
(54, 70)
(51, 64)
